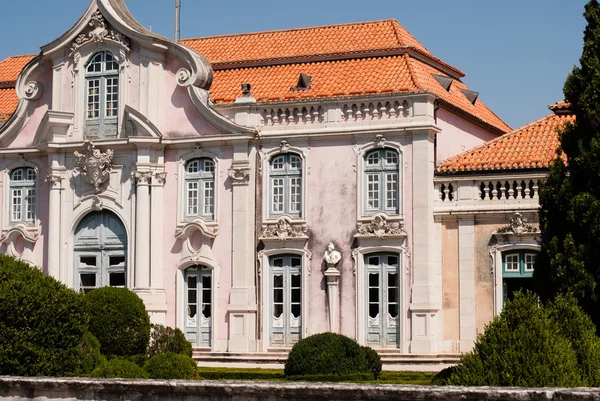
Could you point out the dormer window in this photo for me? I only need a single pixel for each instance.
(102, 96)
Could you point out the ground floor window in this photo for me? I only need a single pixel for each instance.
(382, 298)
(285, 321)
(517, 272)
(198, 305)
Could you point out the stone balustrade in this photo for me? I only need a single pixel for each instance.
(481, 194)
(61, 389)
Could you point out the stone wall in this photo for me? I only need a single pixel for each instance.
(18, 388)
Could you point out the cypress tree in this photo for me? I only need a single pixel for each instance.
(570, 197)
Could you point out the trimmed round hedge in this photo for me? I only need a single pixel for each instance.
(119, 320)
(119, 368)
(166, 339)
(42, 323)
(330, 354)
(171, 366)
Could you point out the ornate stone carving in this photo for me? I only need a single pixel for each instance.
(143, 177)
(160, 177)
(99, 33)
(493, 251)
(33, 90)
(379, 228)
(183, 77)
(97, 204)
(379, 141)
(53, 181)
(239, 173)
(518, 226)
(282, 231)
(93, 165)
(284, 146)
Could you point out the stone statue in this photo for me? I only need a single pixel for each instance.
(331, 256)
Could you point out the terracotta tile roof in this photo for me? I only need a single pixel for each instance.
(8, 102)
(530, 147)
(303, 42)
(329, 79)
(12, 66)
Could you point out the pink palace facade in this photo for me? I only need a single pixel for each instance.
(210, 176)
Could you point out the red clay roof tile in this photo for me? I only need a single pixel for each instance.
(530, 147)
(12, 66)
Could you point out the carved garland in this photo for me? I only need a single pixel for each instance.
(518, 226)
(283, 230)
(379, 228)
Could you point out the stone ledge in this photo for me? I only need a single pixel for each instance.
(17, 388)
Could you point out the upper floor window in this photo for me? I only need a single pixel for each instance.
(286, 185)
(200, 188)
(102, 96)
(382, 181)
(22, 194)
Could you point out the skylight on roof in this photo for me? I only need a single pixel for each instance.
(471, 95)
(303, 82)
(443, 80)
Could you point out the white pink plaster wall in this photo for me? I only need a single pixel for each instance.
(458, 135)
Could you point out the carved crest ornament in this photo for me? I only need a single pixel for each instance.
(94, 166)
(379, 228)
(518, 226)
(99, 33)
(283, 230)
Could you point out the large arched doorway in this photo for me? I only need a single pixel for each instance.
(100, 251)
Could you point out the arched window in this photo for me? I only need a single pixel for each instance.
(382, 181)
(200, 188)
(286, 185)
(102, 96)
(22, 194)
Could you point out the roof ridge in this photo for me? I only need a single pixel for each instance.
(502, 137)
(413, 77)
(291, 29)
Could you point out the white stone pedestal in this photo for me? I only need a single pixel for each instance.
(333, 276)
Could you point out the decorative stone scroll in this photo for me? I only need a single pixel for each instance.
(239, 172)
(379, 141)
(378, 227)
(99, 34)
(94, 166)
(284, 146)
(518, 226)
(143, 177)
(160, 178)
(53, 181)
(283, 230)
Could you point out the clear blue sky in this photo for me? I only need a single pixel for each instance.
(516, 53)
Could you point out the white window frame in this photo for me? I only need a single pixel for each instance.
(265, 293)
(363, 213)
(81, 58)
(511, 244)
(382, 171)
(372, 246)
(31, 225)
(25, 186)
(201, 179)
(184, 156)
(102, 78)
(287, 174)
(267, 154)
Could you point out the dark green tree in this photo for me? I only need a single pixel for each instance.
(570, 197)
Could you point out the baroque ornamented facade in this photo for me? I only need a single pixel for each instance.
(256, 189)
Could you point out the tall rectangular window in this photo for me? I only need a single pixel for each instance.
(285, 185)
(200, 188)
(381, 181)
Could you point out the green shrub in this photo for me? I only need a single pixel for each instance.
(90, 355)
(171, 366)
(119, 320)
(42, 323)
(166, 339)
(521, 347)
(326, 354)
(350, 377)
(119, 368)
(211, 373)
(441, 378)
(139, 359)
(373, 361)
(579, 329)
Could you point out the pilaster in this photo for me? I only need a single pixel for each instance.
(142, 230)
(466, 279)
(54, 181)
(425, 298)
(242, 302)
